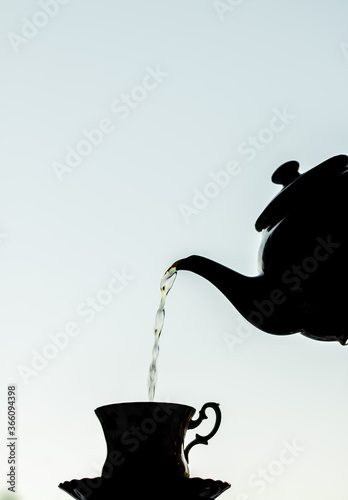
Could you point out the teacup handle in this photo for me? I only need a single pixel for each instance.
(195, 423)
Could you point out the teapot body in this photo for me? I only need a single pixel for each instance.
(305, 256)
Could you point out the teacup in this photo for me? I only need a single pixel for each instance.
(146, 454)
(148, 436)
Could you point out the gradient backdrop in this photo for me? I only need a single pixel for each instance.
(117, 119)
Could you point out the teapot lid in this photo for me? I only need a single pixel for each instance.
(296, 185)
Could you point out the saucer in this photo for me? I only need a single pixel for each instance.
(171, 487)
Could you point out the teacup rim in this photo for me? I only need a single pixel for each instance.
(144, 403)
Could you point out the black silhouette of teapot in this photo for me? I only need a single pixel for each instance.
(302, 285)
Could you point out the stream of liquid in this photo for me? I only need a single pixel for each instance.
(166, 284)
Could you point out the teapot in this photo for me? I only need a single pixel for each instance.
(303, 258)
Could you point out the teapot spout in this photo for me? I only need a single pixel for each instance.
(254, 298)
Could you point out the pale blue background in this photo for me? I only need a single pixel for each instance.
(121, 209)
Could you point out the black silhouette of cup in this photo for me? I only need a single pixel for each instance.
(146, 439)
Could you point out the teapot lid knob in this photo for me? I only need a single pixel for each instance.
(286, 173)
